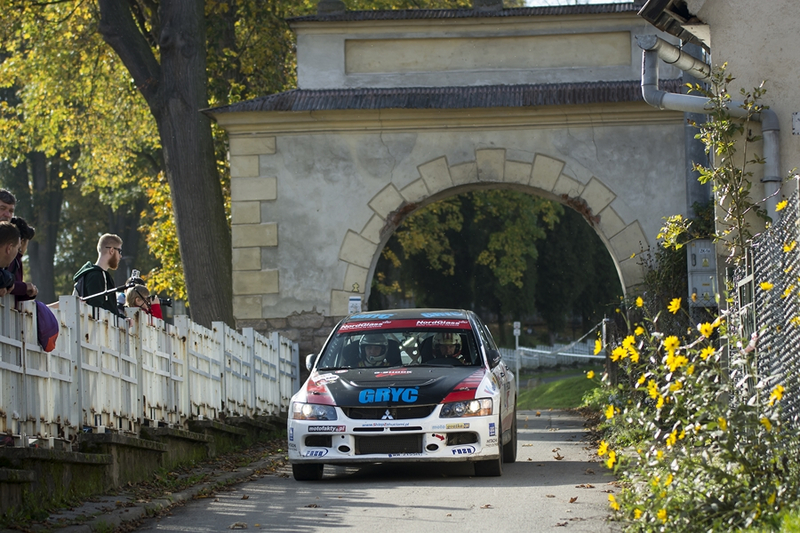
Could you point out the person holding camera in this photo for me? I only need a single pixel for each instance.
(139, 296)
(9, 248)
(95, 281)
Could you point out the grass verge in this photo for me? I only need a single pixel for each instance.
(564, 393)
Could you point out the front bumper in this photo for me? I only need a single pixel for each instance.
(347, 441)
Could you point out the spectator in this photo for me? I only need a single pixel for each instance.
(95, 281)
(139, 296)
(9, 247)
(22, 290)
(7, 205)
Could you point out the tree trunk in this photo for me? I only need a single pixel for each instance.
(175, 91)
(46, 202)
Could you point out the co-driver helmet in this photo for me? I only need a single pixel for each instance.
(374, 339)
(449, 339)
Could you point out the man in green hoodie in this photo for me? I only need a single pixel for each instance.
(94, 278)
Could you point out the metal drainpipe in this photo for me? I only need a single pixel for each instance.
(654, 48)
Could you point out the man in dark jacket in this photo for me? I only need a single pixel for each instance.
(94, 279)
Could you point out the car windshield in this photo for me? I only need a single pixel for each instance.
(372, 349)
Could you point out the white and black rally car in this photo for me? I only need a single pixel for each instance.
(405, 385)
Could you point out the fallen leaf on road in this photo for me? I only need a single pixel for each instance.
(608, 491)
(312, 505)
(529, 459)
(561, 524)
(556, 449)
(584, 486)
(487, 506)
(538, 413)
(589, 471)
(449, 514)
(573, 499)
(527, 445)
(245, 497)
(238, 525)
(558, 456)
(551, 495)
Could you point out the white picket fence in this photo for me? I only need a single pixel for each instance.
(103, 376)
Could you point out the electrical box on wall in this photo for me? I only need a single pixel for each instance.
(701, 261)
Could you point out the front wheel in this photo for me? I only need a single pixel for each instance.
(510, 448)
(307, 472)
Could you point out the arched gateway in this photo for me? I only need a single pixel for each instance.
(397, 109)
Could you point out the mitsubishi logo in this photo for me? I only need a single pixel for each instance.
(387, 416)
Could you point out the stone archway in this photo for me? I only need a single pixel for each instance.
(543, 175)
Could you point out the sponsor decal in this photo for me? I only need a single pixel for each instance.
(491, 442)
(461, 425)
(292, 446)
(441, 323)
(388, 394)
(385, 373)
(405, 455)
(387, 415)
(324, 379)
(315, 453)
(291, 434)
(439, 314)
(372, 316)
(327, 429)
(385, 425)
(439, 436)
(355, 326)
(492, 429)
(464, 450)
(437, 426)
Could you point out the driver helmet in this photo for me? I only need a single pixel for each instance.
(373, 357)
(447, 339)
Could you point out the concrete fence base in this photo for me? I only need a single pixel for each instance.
(33, 480)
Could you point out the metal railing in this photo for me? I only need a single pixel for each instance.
(108, 375)
(558, 355)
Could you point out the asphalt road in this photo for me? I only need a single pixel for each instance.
(557, 484)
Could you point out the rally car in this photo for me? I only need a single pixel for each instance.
(405, 385)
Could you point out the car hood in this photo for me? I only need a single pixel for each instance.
(394, 387)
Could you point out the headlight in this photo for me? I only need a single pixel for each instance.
(468, 408)
(313, 411)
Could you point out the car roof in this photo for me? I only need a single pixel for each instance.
(401, 314)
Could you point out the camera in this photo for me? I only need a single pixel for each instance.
(164, 301)
(135, 278)
(6, 279)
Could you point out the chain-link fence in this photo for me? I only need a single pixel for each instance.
(773, 313)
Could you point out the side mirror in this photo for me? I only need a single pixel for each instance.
(310, 360)
(494, 358)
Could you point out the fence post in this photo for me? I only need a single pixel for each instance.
(71, 305)
(218, 328)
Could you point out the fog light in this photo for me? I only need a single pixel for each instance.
(432, 447)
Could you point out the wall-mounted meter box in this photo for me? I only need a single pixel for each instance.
(701, 261)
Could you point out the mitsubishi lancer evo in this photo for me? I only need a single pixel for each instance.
(406, 385)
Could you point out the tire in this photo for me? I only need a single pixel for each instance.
(491, 467)
(307, 472)
(510, 448)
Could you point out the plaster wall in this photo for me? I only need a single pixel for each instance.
(312, 209)
(758, 45)
(469, 52)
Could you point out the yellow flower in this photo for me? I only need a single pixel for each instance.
(613, 502)
(717, 321)
(602, 449)
(705, 329)
(776, 395)
(723, 424)
(789, 247)
(668, 481)
(660, 402)
(590, 374)
(662, 515)
(765, 285)
(671, 343)
(612, 458)
(609, 412)
(780, 206)
(634, 354)
(694, 296)
(676, 386)
(771, 499)
(637, 514)
(639, 331)
(788, 291)
(766, 423)
(706, 352)
(660, 454)
(639, 301)
(674, 362)
(652, 389)
(641, 379)
(598, 346)
(674, 305)
(672, 439)
(618, 353)
(690, 370)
